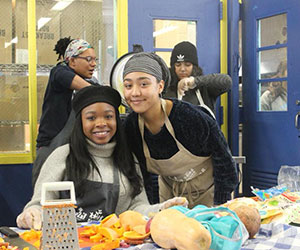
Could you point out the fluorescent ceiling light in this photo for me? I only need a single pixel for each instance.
(61, 5)
(164, 30)
(14, 40)
(42, 21)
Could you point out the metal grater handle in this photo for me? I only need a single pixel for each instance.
(58, 186)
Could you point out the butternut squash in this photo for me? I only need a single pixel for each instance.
(172, 229)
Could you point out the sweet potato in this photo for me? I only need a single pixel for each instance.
(250, 217)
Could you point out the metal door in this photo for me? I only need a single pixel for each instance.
(271, 92)
(145, 16)
(142, 17)
(143, 13)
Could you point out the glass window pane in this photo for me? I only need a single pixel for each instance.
(13, 77)
(270, 62)
(272, 30)
(273, 96)
(91, 20)
(177, 30)
(165, 55)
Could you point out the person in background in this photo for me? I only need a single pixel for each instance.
(275, 97)
(174, 139)
(73, 73)
(98, 161)
(188, 82)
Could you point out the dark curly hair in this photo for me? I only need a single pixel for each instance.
(61, 46)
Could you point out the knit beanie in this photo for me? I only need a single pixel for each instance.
(92, 94)
(184, 52)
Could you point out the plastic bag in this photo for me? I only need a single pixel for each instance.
(289, 176)
(227, 231)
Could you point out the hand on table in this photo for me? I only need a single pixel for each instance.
(30, 218)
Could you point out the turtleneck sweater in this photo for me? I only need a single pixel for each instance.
(54, 169)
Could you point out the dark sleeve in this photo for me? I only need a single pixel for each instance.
(216, 84)
(225, 173)
(202, 136)
(135, 145)
(63, 77)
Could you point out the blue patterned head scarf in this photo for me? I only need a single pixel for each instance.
(75, 48)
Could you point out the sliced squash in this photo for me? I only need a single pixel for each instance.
(132, 235)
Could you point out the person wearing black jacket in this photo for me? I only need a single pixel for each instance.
(188, 82)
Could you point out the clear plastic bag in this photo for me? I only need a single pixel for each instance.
(289, 176)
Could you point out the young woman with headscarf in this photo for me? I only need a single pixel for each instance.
(174, 139)
(56, 121)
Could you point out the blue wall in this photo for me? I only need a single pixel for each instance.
(15, 191)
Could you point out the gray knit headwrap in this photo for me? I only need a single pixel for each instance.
(143, 62)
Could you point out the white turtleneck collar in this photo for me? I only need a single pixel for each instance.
(101, 150)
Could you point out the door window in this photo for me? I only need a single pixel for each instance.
(272, 63)
(90, 20)
(167, 33)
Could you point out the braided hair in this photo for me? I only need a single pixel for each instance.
(61, 46)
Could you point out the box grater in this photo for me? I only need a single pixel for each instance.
(59, 231)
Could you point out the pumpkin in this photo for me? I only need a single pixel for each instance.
(250, 217)
(172, 229)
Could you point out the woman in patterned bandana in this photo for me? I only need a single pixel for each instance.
(56, 121)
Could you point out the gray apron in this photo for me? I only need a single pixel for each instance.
(184, 174)
(99, 201)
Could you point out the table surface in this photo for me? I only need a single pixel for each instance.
(275, 236)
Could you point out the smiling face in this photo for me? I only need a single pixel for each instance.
(81, 66)
(99, 122)
(141, 91)
(183, 69)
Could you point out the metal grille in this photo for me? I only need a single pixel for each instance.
(59, 228)
(91, 20)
